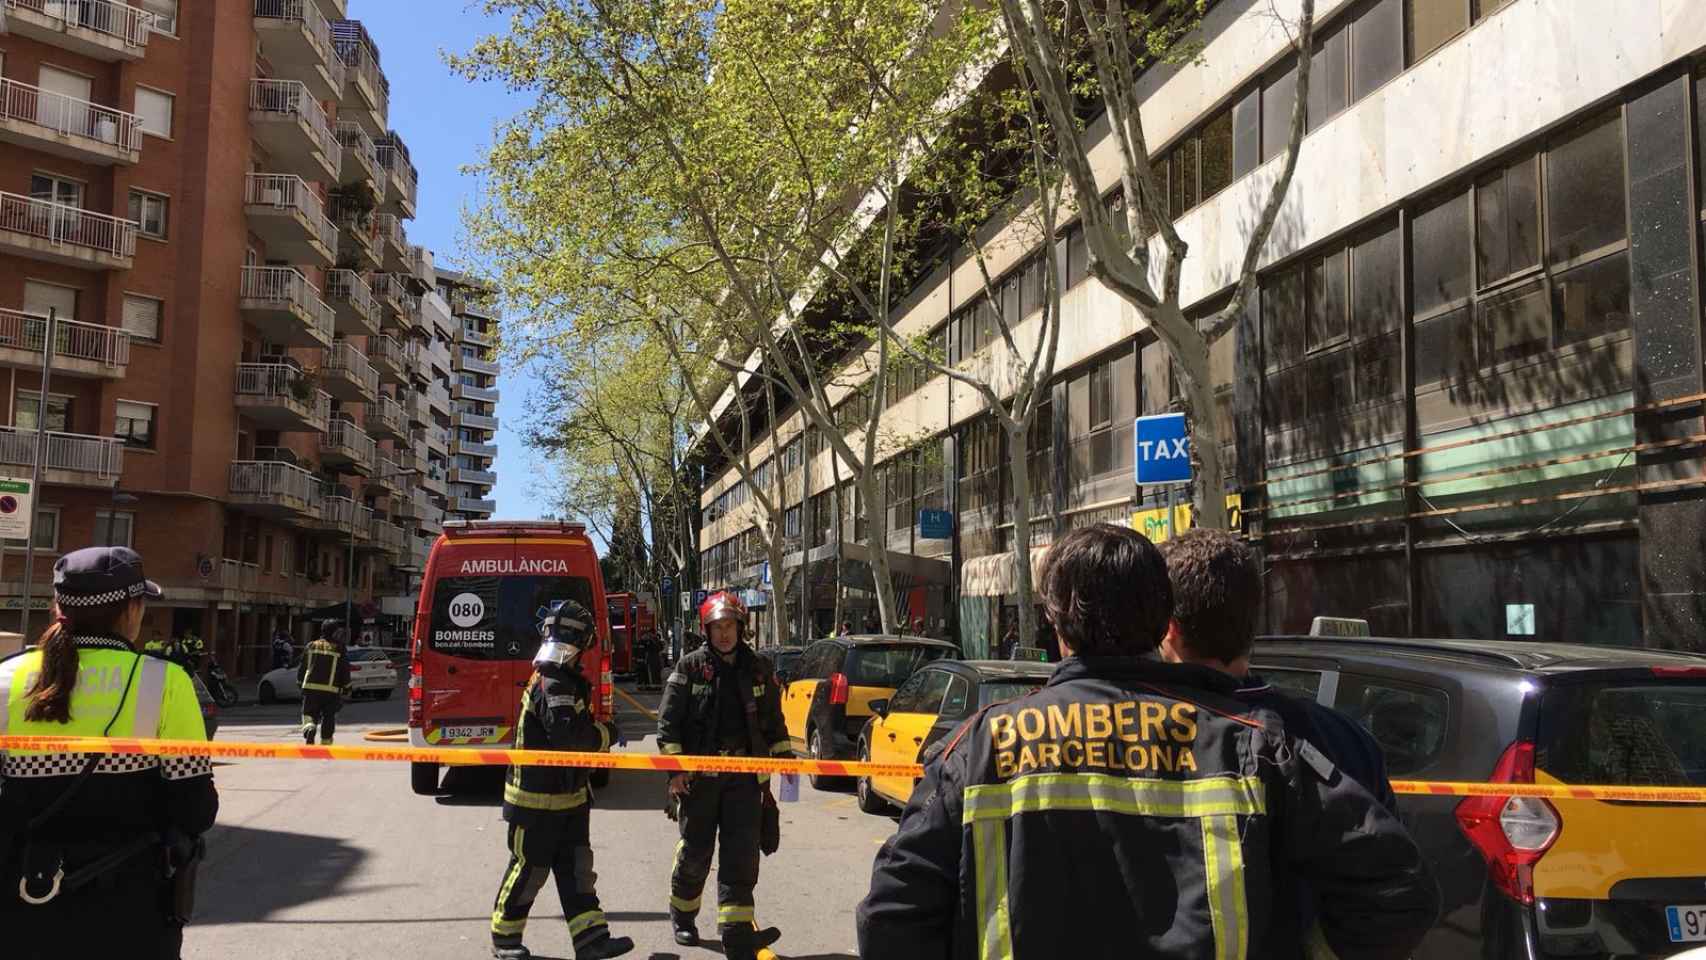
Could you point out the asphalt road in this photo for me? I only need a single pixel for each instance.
(326, 860)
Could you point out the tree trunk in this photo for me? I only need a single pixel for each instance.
(877, 542)
(1209, 502)
(839, 520)
(778, 635)
(1018, 446)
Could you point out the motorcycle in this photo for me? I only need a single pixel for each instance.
(218, 684)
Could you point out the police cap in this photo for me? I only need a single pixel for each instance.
(95, 576)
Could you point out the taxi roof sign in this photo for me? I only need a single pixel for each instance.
(1338, 627)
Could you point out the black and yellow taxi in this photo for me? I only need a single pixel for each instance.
(929, 706)
(827, 699)
(1530, 878)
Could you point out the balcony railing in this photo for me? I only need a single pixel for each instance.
(385, 415)
(391, 228)
(437, 397)
(473, 448)
(359, 145)
(292, 98)
(338, 512)
(471, 505)
(483, 478)
(394, 160)
(70, 117)
(108, 346)
(464, 391)
(307, 14)
(288, 191)
(125, 24)
(385, 349)
(347, 286)
(476, 365)
(476, 421)
(101, 457)
(355, 48)
(288, 286)
(344, 358)
(431, 518)
(478, 338)
(67, 226)
(346, 435)
(274, 479)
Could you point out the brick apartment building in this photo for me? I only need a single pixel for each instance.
(257, 381)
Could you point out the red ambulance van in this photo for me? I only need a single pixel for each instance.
(488, 584)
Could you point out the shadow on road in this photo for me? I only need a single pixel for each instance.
(483, 787)
(251, 874)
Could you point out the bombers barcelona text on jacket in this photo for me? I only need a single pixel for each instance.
(1136, 809)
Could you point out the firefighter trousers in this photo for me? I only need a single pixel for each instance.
(559, 845)
(729, 805)
(320, 708)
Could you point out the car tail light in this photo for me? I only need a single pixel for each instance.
(838, 689)
(1680, 672)
(607, 692)
(1512, 833)
(417, 696)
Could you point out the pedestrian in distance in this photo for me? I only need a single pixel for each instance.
(722, 699)
(1136, 808)
(98, 852)
(323, 676)
(281, 650)
(549, 809)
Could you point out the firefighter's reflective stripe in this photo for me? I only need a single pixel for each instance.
(669, 749)
(684, 906)
(586, 921)
(735, 913)
(321, 676)
(543, 801)
(603, 738)
(1217, 802)
(1316, 947)
(1223, 870)
(517, 870)
(150, 694)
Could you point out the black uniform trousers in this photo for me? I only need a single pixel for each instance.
(123, 914)
(731, 805)
(560, 845)
(321, 708)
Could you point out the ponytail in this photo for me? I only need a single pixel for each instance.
(49, 698)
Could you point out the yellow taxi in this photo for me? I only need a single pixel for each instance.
(932, 705)
(827, 699)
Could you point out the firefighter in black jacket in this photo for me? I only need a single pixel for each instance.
(323, 677)
(1134, 808)
(721, 699)
(549, 809)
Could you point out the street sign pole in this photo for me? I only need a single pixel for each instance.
(35, 469)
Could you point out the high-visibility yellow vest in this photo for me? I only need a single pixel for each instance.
(322, 673)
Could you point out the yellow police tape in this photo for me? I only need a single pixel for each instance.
(481, 756)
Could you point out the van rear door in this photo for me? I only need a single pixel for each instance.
(471, 693)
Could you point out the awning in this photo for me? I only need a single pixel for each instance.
(995, 575)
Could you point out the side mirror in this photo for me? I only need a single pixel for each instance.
(880, 707)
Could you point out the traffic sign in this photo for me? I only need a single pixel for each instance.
(699, 598)
(667, 585)
(16, 515)
(935, 525)
(1163, 449)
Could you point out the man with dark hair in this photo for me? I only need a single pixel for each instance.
(1133, 807)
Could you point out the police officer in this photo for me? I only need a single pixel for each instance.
(721, 699)
(1136, 808)
(549, 809)
(86, 840)
(324, 678)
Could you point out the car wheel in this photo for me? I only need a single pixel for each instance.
(869, 800)
(819, 752)
(423, 777)
(267, 694)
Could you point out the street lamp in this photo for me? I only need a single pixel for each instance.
(349, 564)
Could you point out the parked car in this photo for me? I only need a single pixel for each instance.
(784, 659)
(209, 709)
(828, 700)
(371, 672)
(930, 705)
(1528, 878)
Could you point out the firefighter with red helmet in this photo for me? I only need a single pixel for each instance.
(722, 699)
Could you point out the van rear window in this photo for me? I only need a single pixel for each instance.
(496, 618)
(888, 666)
(1645, 735)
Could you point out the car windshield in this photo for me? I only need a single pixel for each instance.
(366, 653)
(888, 666)
(1625, 734)
(998, 691)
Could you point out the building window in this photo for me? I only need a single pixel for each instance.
(58, 411)
(1329, 75)
(56, 189)
(1377, 46)
(154, 110)
(115, 528)
(1429, 24)
(1101, 405)
(134, 423)
(267, 553)
(40, 298)
(149, 211)
(142, 316)
(45, 533)
(165, 15)
(1279, 94)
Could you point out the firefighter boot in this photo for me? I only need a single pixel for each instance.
(746, 944)
(510, 951)
(686, 932)
(605, 948)
(308, 733)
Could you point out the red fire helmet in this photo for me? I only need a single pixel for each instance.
(722, 606)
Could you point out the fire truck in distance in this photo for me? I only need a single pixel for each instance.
(630, 620)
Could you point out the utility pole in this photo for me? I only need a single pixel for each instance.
(35, 468)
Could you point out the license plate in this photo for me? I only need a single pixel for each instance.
(1687, 923)
(462, 733)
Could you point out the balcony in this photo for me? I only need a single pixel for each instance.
(388, 537)
(422, 266)
(467, 364)
(68, 127)
(404, 180)
(355, 312)
(464, 304)
(79, 349)
(415, 408)
(361, 159)
(287, 215)
(347, 375)
(296, 39)
(285, 307)
(394, 241)
(473, 448)
(71, 460)
(98, 29)
(383, 419)
(431, 519)
(463, 391)
(483, 478)
(57, 233)
(386, 355)
(471, 505)
(438, 398)
(387, 475)
(435, 313)
(283, 397)
(432, 478)
(338, 514)
(275, 488)
(347, 448)
(477, 338)
(367, 94)
(395, 301)
(476, 421)
(358, 238)
(435, 438)
(290, 125)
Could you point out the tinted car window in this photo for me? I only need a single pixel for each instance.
(1629, 734)
(957, 703)
(497, 618)
(1409, 723)
(1301, 683)
(909, 695)
(356, 655)
(811, 666)
(998, 691)
(888, 666)
(931, 692)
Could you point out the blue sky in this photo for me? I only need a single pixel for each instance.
(447, 123)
